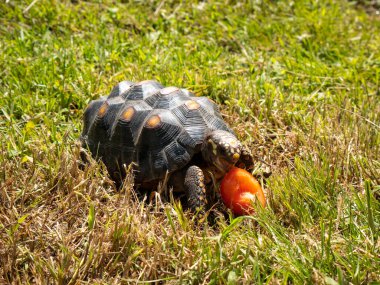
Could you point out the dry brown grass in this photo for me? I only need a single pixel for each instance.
(48, 235)
(67, 224)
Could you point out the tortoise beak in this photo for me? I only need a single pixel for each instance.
(223, 165)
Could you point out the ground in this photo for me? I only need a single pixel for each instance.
(297, 80)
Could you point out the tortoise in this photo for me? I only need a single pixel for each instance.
(163, 131)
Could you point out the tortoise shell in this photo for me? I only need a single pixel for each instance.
(158, 129)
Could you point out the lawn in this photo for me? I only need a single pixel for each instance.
(298, 81)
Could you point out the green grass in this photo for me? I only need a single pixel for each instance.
(298, 81)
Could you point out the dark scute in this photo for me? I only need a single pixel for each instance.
(197, 133)
(159, 164)
(159, 149)
(143, 162)
(193, 122)
(117, 158)
(188, 142)
(122, 135)
(100, 128)
(138, 105)
(214, 122)
(152, 165)
(97, 132)
(151, 100)
(111, 158)
(90, 114)
(170, 101)
(159, 137)
(120, 88)
(176, 155)
(111, 114)
(137, 123)
(142, 91)
(122, 154)
(127, 133)
(115, 101)
(208, 105)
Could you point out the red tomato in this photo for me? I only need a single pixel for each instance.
(239, 189)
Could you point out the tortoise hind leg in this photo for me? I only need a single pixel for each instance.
(195, 189)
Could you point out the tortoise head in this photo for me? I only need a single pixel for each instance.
(221, 149)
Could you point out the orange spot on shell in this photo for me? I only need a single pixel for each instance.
(103, 109)
(128, 114)
(168, 90)
(192, 105)
(153, 121)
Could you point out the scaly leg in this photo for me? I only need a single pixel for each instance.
(195, 189)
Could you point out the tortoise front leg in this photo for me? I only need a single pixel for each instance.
(246, 159)
(195, 189)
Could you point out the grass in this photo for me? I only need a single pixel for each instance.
(299, 83)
